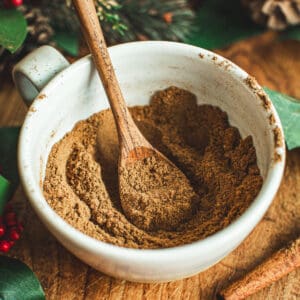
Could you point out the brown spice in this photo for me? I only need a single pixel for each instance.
(277, 137)
(252, 83)
(155, 194)
(81, 182)
(41, 97)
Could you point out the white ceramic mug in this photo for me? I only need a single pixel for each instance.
(142, 68)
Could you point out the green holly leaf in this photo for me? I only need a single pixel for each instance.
(67, 41)
(17, 281)
(288, 109)
(5, 191)
(219, 23)
(8, 154)
(13, 29)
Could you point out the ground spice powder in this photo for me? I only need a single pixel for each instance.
(155, 194)
(81, 182)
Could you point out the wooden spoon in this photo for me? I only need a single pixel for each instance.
(132, 144)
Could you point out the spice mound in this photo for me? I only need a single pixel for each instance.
(81, 182)
(155, 194)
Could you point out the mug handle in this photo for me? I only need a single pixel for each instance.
(36, 69)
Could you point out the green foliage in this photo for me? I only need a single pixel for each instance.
(108, 11)
(17, 281)
(288, 109)
(67, 41)
(4, 192)
(129, 20)
(147, 20)
(13, 29)
(219, 23)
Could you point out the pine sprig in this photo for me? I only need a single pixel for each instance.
(108, 12)
(128, 20)
(157, 20)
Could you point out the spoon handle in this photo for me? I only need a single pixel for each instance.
(129, 135)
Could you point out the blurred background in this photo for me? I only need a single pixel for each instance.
(27, 24)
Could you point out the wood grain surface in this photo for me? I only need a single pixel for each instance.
(275, 64)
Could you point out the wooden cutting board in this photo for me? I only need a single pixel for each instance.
(276, 65)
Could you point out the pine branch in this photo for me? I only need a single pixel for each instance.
(128, 20)
(157, 20)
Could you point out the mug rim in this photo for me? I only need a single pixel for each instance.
(256, 210)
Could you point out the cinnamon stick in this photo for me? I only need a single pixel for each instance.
(278, 265)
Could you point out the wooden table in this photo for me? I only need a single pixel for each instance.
(276, 65)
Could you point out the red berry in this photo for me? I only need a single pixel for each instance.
(10, 219)
(20, 227)
(11, 223)
(16, 3)
(4, 246)
(10, 215)
(2, 230)
(168, 17)
(12, 3)
(14, 234)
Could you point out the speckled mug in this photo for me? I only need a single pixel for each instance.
(65, 94)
